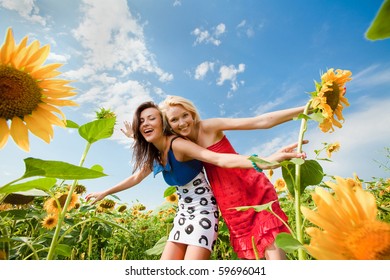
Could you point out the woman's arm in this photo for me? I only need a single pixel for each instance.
(128, 183)
(185, 150)
(263, 121)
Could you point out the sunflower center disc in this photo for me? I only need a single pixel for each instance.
(19, 93)
(333, 97)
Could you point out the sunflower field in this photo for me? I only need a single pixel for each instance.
(43, 215)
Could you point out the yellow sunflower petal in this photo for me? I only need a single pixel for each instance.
(30, 51)
(51, 108)
(47, 116)
(37, 58)
(19, 133)
(7, 48)
(59, 102)
(58, 94)
(4, 132)
(46, 71)
(36, 128)
(19, 54)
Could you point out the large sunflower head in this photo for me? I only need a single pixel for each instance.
(29, 92)
(347, 225)
(329, 100)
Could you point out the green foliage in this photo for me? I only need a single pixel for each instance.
(380, 26)
(311, 174)
(97, 130)
(288, 243)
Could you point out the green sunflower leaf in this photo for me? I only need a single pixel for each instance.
(71, 124)
(311, 175)
(288, 243)
(63, 250)
(97, 130)
(170, 190)
(58, 169)
(44, 184)
(49, 169)
(380, 26)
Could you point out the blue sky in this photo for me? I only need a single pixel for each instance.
(231, 58)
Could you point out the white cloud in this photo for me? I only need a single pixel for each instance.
(114, 39)
(245, 28)
(202, 69)
(58, 58)
(374, 75)
(212, 37)
(220, 29)
(27, 9)
(176, 3)
(229, 73)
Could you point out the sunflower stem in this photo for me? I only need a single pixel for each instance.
(54, 241)
(297, 204)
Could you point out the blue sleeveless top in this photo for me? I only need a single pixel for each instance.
(177, 173)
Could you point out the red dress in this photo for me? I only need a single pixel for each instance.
(234, 187)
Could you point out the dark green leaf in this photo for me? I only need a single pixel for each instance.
(97, 130)
(63, 250)
(15, 214)
(311, 175)
(288, 173)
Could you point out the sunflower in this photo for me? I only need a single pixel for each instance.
(280, 185)
(354, 182)
(139, 207)
(106, 205)
(51, 205)
(50, 221)
(349, 226)
(173, 198)
(29, 94)
(329, 98)
(121, 208)
(332, 148)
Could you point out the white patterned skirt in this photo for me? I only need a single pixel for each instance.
(196, 221)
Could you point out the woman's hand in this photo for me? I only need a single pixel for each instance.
(96, 195)
(128, 130)
(287, 153)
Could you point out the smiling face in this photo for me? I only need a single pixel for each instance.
(150, 124)
(180, 120)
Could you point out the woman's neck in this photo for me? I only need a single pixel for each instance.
(162, 145)
(193, 136)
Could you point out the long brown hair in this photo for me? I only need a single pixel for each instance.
(145, 153)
